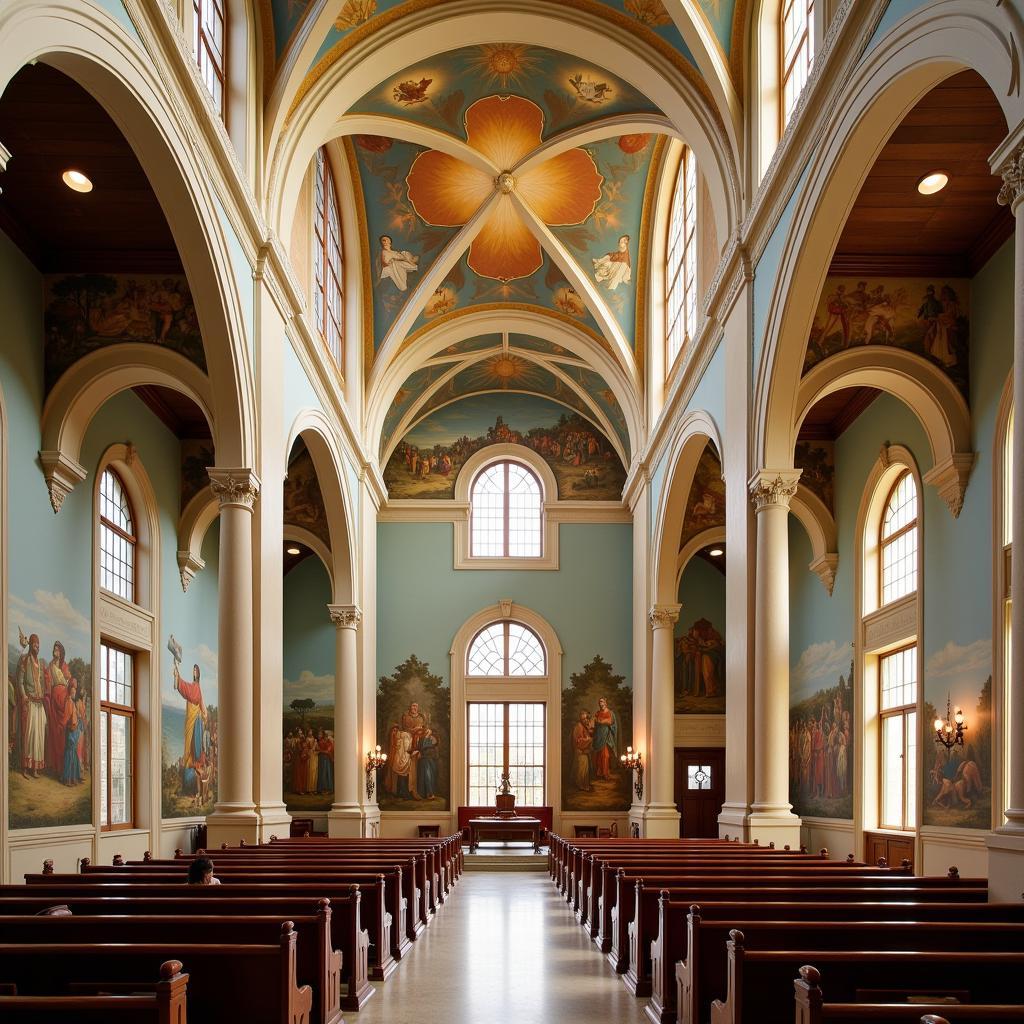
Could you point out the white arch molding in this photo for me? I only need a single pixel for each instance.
(385, 381)
(926, 47)
(712, 535)
(546, 689)
(90, 382)
(695, 431)
(301, 535)
(97, 52)
(293, 135)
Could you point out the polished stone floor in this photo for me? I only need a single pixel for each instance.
(505, 948)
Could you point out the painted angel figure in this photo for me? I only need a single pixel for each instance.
(614, 268)
(395, 264)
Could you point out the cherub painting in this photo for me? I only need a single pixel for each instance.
(395, 264)
(614, 268)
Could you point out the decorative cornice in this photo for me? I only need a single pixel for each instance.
(824, 568)
(664, 616)
(234, 488)
(773, 488)
(61, 474)
(345, 616)
(1012, 189)
(950, 478)
(188, 565)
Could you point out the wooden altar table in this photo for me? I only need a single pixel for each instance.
(504, 829)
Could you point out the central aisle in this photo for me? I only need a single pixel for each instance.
(505, 948)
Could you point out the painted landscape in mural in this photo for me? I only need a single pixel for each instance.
(85, 312)
(50, 708)
(308, 724)
(700, 670)
(597, 726)
(427, 460)
(821, 732)
(958, 782)
(924, 316)
(188, 701)
(414, 721)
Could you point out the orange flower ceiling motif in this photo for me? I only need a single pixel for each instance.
(447, 192)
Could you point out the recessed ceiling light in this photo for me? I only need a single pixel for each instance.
(716, 552)
(934, 182)
(294, 551)
(76, 181)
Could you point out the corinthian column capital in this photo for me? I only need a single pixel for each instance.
(773, 488)
(1012, 189)
(664, 616)
(345, 616)
(234, 488)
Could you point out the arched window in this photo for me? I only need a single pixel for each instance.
(796, 34)
(506, 505)
(681, 260)
(898, 541)
(208, 43)
(506, 649)
(327, 292)
(117, 538)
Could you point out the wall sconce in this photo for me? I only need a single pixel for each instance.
(374, 760)
(631, 759)
(950, 733)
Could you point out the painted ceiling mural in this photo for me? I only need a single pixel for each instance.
(705, 507)
(427, 460)
(523, 365)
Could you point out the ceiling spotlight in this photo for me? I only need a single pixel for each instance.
(716, 552)
(294, 550)
(934, 182)
(76, 181)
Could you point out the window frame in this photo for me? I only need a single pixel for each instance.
(506, 718)
(109, 709)
(132, 539)
(885, 542)
(506, 674)
(328, 258)
(681, 261)
(903, 712)
(203, 46)
(800, 46)
(506, 463)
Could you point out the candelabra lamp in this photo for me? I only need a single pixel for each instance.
(632, 760)
(374, 760)
(950, 733)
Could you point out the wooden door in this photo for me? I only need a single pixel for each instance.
(699, 790)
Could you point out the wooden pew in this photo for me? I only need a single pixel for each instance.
(702, 977)
(760, 982)
(226, 982)
(317, 964)
(162, 1002)
(377, 890)
(812, 1009)
(670, 948)
(347, 932)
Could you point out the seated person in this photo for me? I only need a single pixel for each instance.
(200, 872)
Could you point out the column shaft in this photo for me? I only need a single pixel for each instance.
(661, 816)
(346, 816)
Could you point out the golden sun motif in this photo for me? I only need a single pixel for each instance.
(503, 63)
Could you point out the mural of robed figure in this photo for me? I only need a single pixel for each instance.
(195, 759)
(605, 739)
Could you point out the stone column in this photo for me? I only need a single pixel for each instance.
(771, 814)
(346, 816)
(1006, 844)
(234, 816)
(661, 819)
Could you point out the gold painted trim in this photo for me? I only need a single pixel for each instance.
(269, 51)
(737, 49)
(369, 351)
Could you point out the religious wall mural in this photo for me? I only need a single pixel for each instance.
(427, 460)
(308, 750)
(85, 312)
(821, 732)
(188, 721)
(196, 460)
(303, 498)
(597, 726)
(50, 706)
(958, 782)
(925, 316)
(816, 460)
(705, 506)
(414, 726)
(700, 670)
